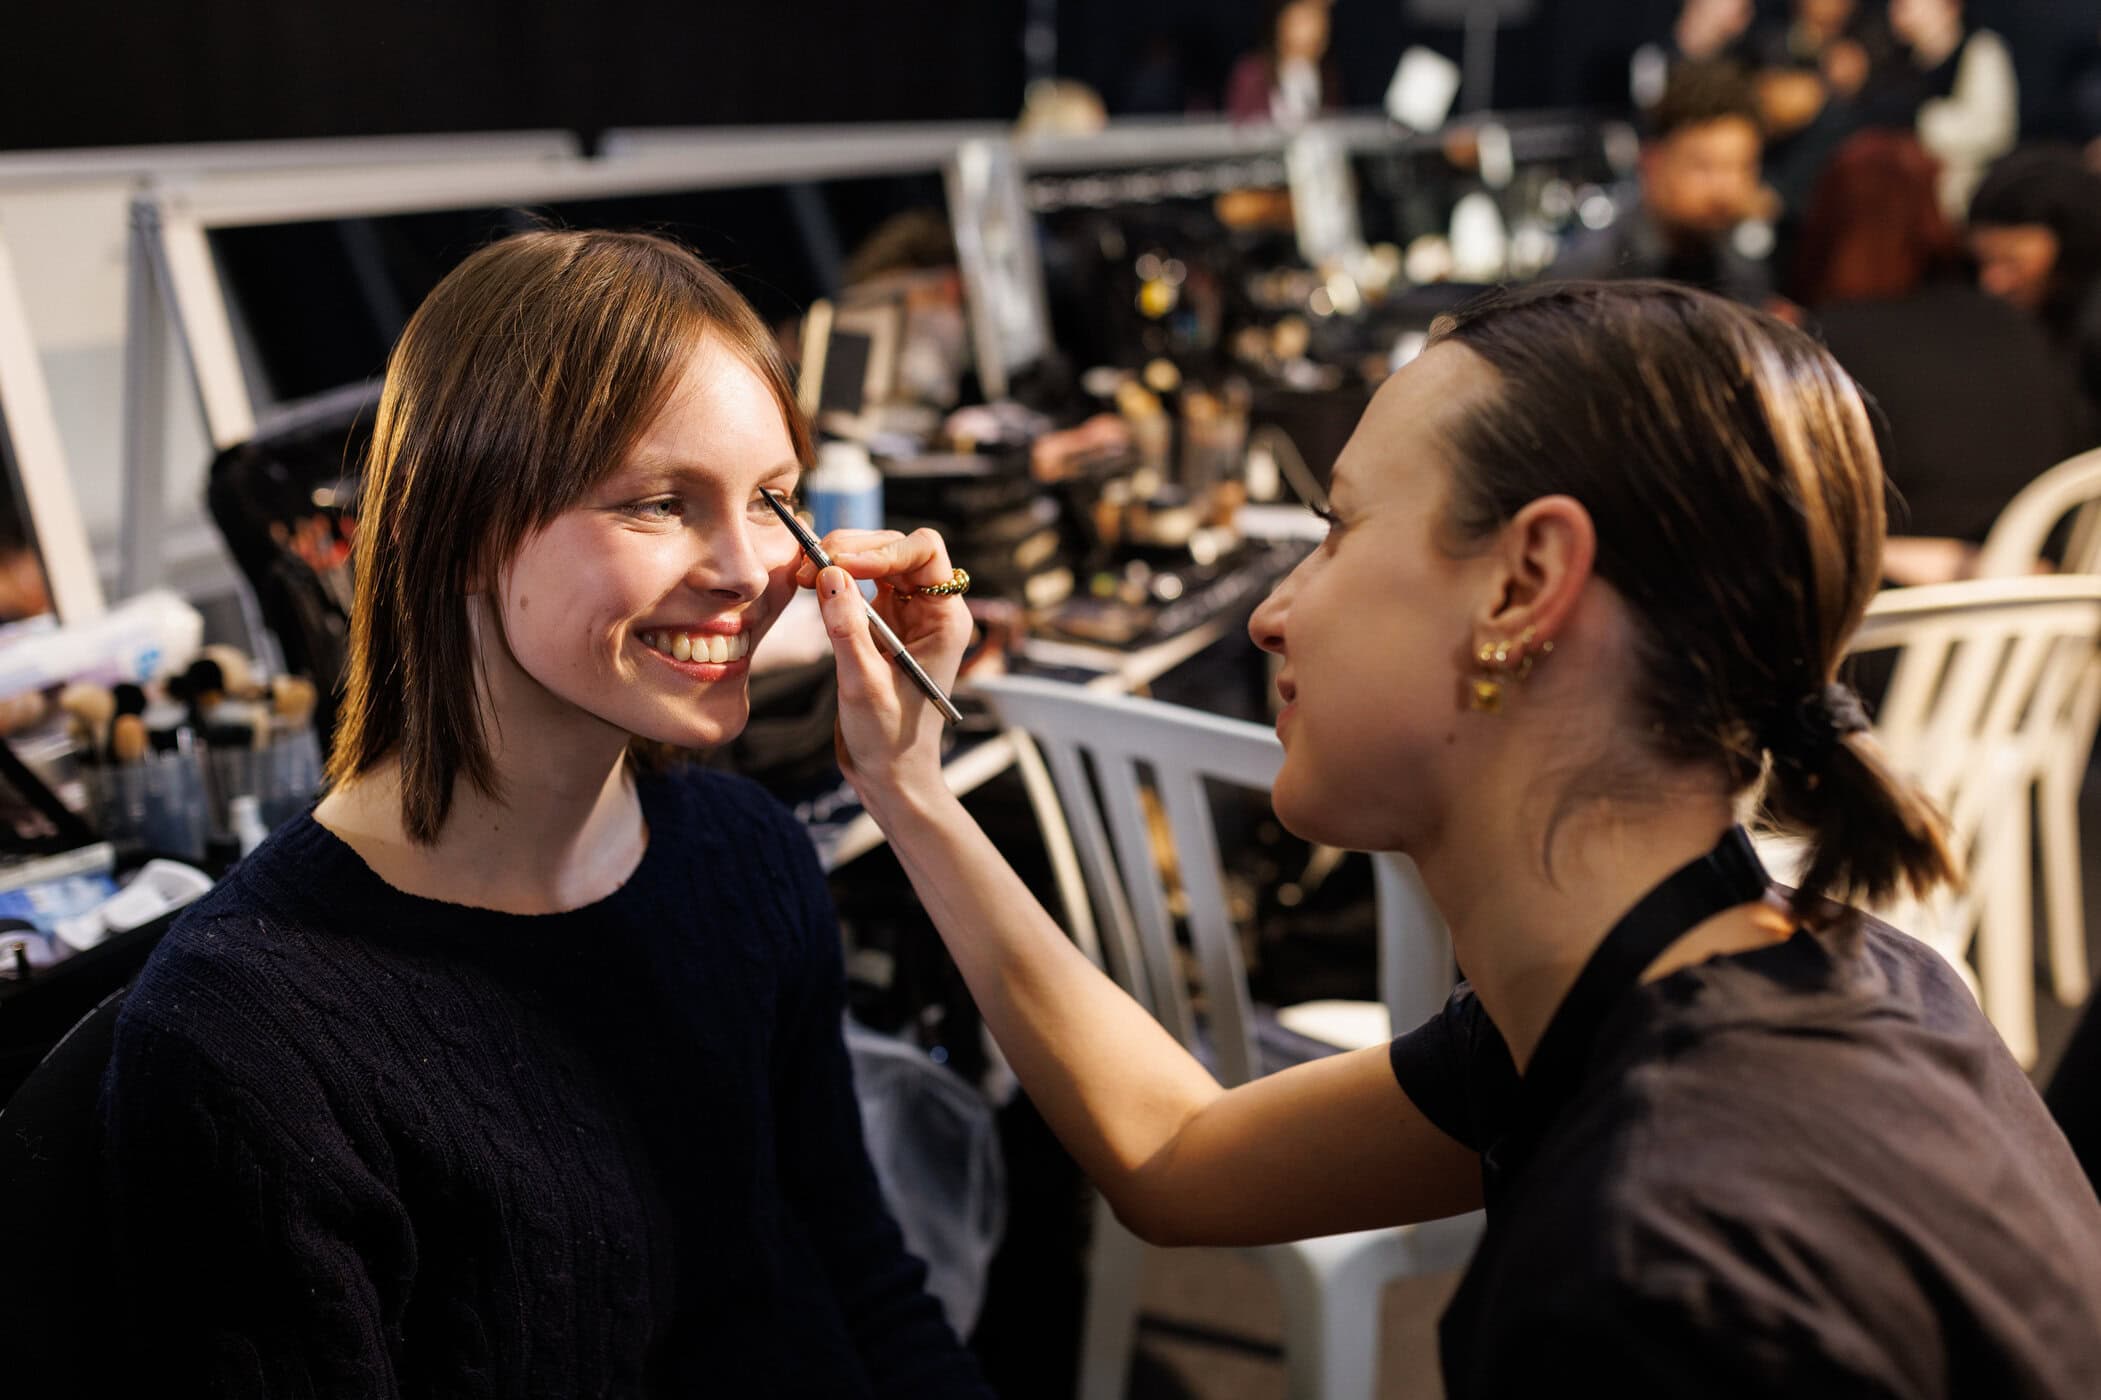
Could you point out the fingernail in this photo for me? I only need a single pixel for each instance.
(834, 582)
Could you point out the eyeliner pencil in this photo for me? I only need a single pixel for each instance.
(881, 628)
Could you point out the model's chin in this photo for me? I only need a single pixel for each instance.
(723, 722)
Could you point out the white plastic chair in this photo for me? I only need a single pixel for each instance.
(1988, 671)
(1101, 839)
(2067, 494)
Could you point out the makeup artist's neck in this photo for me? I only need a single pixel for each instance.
(1520, 935)
(566, 831)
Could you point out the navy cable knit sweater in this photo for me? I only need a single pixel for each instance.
(366, 1144)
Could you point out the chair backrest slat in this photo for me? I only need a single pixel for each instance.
(2023, 530)
(1139, 746)
(1211, 933)
(1990, 671)
(1144, 887)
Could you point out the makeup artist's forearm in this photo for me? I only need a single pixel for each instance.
(1182, 1160)
(1112, 1083)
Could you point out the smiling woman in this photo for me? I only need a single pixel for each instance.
(515, 1067)
(607, 454)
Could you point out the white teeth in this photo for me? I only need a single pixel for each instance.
(710, 647)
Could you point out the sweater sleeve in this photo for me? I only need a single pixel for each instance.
(904, 1342)
(260, 1256)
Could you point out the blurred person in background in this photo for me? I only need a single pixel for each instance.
(1708, 29)
(1960, 90)
(1699, 183)
(1975, 400)
(1820, 54)
(1705, 30)
(911, 257)
(2035, 231)
(1290, 79)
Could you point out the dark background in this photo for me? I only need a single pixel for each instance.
(93, 72)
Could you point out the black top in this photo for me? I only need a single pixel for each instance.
(1808, 1169)
(363, 1143)
(1978, 401)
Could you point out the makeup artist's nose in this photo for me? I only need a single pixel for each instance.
(1266, 627)
(731, 562)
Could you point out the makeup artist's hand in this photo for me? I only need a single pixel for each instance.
(889, 735)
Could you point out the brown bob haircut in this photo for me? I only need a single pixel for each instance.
(1730, 470)
(524, 378)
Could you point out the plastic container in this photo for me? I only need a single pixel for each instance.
(138, 640)
(845, 492)
(158, 803)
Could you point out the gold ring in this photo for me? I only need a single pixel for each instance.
(958, 584)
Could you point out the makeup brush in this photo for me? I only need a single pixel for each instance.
(236, 725)
(202, 686)
(127, 738)
(169, 728)
(19, 712)
(236, 671)
(89, 709)
(130, 699)
(293, 699)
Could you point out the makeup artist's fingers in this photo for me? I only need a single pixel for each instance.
(860, 661)
(917, 560)
(887, 736)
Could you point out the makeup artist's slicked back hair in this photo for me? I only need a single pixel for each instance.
(525, 377)
(1730, 469)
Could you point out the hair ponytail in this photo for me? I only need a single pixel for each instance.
(1871, 832)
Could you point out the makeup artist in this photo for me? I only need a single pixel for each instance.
(1592, 562)
(515, 1068)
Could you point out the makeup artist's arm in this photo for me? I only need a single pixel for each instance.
(1179, 1158)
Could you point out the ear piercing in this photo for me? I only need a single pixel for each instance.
(1501, 661)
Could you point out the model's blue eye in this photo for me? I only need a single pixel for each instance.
(791, 498)
(656, 508)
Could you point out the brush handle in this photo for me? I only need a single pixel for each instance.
(911, 667)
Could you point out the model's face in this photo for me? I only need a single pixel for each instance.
(1374, 628)
(641, 605)
(1703, 179)
(2015, 262)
